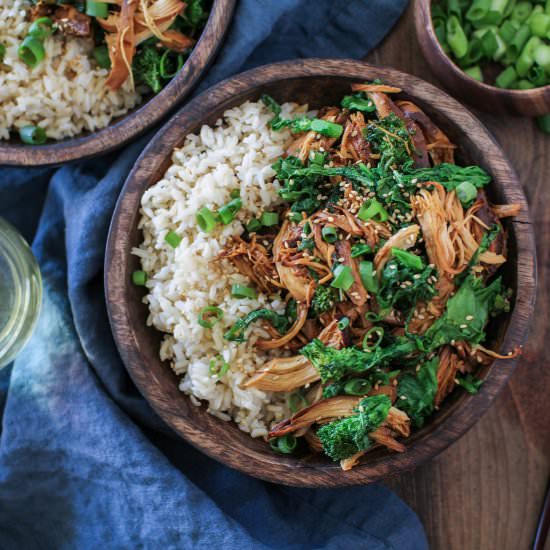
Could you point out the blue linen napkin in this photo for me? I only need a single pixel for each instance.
(84, 462)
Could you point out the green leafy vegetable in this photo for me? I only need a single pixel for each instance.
(146, 66)
(416, 392)
(301, 124)
(469, 382)
(390, 139)
(335, 364)
(236, 332)
(466, 314)
(358, 102)
(347, 436)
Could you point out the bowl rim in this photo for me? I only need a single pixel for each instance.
(139, 119)
(281, 469)
(424, 21)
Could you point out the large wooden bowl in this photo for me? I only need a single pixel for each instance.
(483, 96)
(318, 82)
(138, 120)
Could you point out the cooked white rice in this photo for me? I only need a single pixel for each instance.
(65, 94)
(236, 154)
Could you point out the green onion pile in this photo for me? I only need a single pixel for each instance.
(514, 35)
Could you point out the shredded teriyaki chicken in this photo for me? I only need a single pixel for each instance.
(387, 254)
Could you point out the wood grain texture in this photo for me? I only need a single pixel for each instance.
(137, 121)
(485, 492)
(483, 96)
(318, 82)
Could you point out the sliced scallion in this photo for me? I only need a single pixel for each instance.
(253, 225)
(206, 219)
(366, 272)
(268, 219)
(97, 9)
(228, 211)
(326, 128)
(32, 135)
(373, 210)
(139, 278)
(343, 277)
(379, 332)
(296, 401)
(209, 316)
(173, 239)
(218, 366)
(242, 291)
(285, 444)
(466, 193)
(31, 51)
(41, 28)
(168, 66)
(343, 323)
(330, 235)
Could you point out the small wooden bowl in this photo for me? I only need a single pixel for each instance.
(129, 126)
(317, 82)
(483, 96)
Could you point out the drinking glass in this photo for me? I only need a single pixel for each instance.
(20, 292)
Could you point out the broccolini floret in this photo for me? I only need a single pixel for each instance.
(347, 436)
(323, 300)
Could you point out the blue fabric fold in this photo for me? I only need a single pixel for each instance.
(84, 461)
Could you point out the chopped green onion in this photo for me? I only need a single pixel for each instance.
(507, 31)
(539, 23)
(296, 401)
(478, 10)
(373, 210)
(408, 259)
(329, 233)
(506, 78)
(215, 369)
(343, 323)
(2, 52)
(235, 194)
(456, 38)
(285, 444)
(359, 249)
(242, 291)
(379, 331)
(358, 102)
(326, 128)
(267, 219)
(173, 239)
(527, 56)
(209, 316)
(366, 272)
(489, 43)
(32, 135)
(206, 219)
(543, 122)
(357, 386)
(466, 193)
(525, 85)
(343, 277)
(101, 55)
(31, 51)
(253, 225)
(41, 28)
(165, 60)
(228, 212)
(475, 73)
(521, 12)
(139, 278)
(97, 9)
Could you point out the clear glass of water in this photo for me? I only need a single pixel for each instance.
(20, 292)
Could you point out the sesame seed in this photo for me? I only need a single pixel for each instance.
(463, 326)
(469, 317)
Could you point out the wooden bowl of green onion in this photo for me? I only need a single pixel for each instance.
(493, 54)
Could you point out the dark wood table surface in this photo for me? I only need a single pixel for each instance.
(485, 491)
